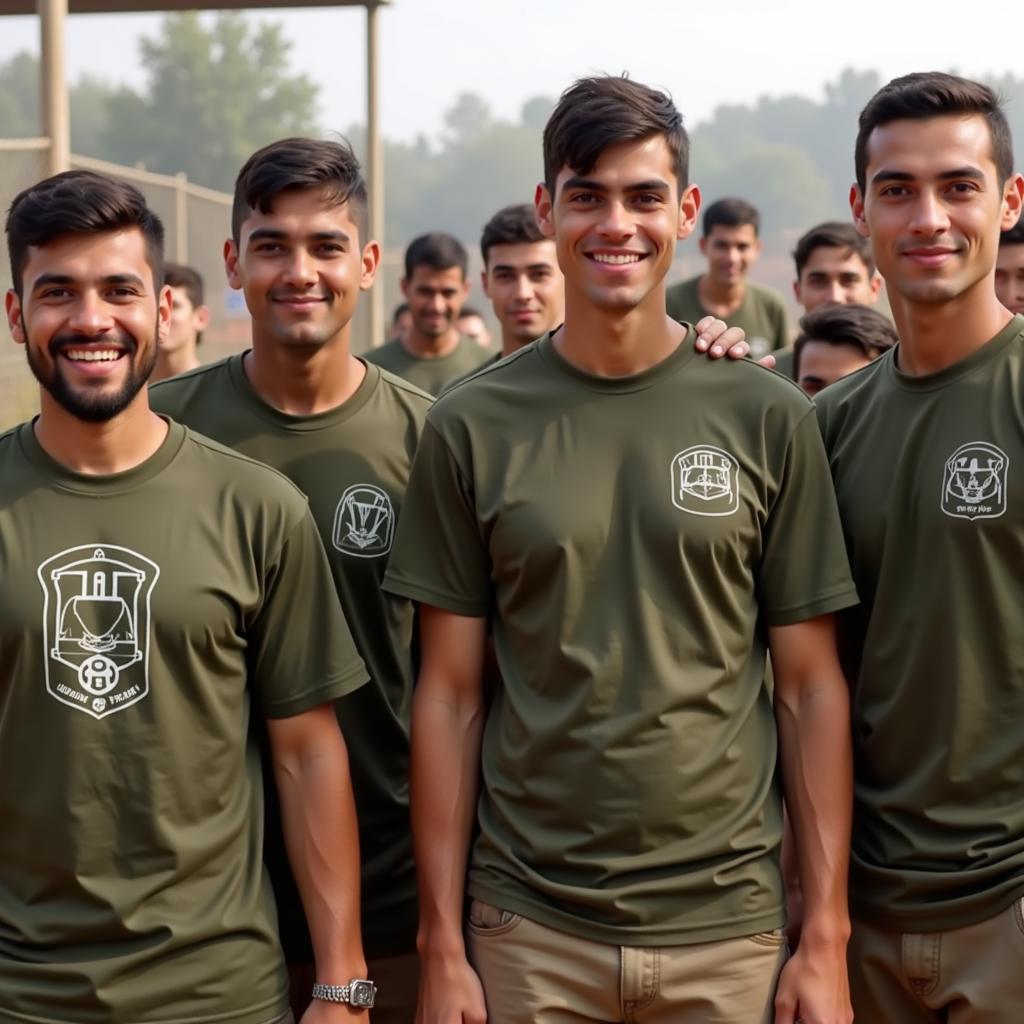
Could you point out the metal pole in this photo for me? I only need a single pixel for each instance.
(54, 92)
(374, 163)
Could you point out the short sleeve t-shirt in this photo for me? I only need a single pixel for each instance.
(631, 539)
(140, 613)
(761, 314)
(353, 464)
(928, 475)
(429, 375)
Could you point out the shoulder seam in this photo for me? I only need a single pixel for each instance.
(218, 449)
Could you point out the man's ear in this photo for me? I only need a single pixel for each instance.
(1013, 199)
(857, 209)
(483, 283)
(689, 210)
(543, 210)
(370, 265)
(164, 304)
(15, 321)
(201, 318)
(231, 264)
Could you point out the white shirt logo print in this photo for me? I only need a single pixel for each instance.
(96, 625)
(974, 482)
(364, 522)
(706, 481)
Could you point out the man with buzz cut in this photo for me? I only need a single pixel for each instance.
(731, 244)
(1010, 269)
(638, 524)
(926, 447)
(344, 432)
(432, 353)
(834, 267)
(155, 584)
(189, 318)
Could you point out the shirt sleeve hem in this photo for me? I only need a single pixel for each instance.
(436, 598)
(339, 686)
(834, 602)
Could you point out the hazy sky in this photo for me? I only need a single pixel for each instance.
(510, 50)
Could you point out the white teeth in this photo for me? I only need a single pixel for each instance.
(93, 355)
(608, 258)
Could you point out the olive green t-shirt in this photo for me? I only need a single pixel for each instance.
(139, 614)
(353, 464)
(761, 314)
(429, 375)
(931, 493)
(632, 539)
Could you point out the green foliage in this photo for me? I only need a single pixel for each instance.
(215, 92)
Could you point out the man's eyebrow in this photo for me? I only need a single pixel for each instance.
(577, 181)
(652, 185)
(967, 171)
(277, 235)
(46, 280)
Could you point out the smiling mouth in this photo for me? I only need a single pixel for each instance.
(616, 259)
(92, 355)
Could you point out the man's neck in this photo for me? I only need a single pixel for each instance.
(100, 449)
(170, 364)
(427, 346)
(936, 335)
(510, 343)
(720, 298)
(607, 344)
(303, 381)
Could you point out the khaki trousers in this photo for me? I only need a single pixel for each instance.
(532, 974)
(972, 975)
(397, 979)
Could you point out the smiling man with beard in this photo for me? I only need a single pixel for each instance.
(154, 584)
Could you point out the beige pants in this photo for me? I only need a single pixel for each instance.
(397, 979)
(536, 975)
(972, 975)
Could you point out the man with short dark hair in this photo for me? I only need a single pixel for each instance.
(833, 266)
(836, 340)
(1010, 269)
(189, 318)
(731, 243)
(401, 320)
(432, 353)
(471, 324)
(344, 432)
(623, 512)
(155, 584)
(926, 447)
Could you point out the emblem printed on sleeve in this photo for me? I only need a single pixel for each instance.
(364, 523)
(974, 482)
(96, 624)
(706, 481)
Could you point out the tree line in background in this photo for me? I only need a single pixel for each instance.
(216, 89)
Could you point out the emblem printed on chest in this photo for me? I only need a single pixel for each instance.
(974, 482)
(96, 624)
(364, 522)
(706, 481)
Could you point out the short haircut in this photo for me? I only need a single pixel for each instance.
(328, 166)
(512, 225)
(604, 110)
(469, 311)
(833, 234)
(1013, 236)
(400, 310)
(80, 203)
(927, 94)
(436, 250)
(177, 275)
(862, 327)
(731, 213)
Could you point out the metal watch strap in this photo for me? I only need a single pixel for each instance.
(330, 993)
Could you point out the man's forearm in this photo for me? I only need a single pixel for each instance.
(814, 736)
(446, 731)
(319, 818)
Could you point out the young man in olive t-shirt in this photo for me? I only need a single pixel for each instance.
(154, 584)
(432, 353)
(926, 446)
(344, 431)
(731, 243)
(1010, 269)
(638, 524)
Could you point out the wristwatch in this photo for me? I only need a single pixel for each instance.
(358, 992)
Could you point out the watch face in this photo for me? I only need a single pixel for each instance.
(362, 993)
